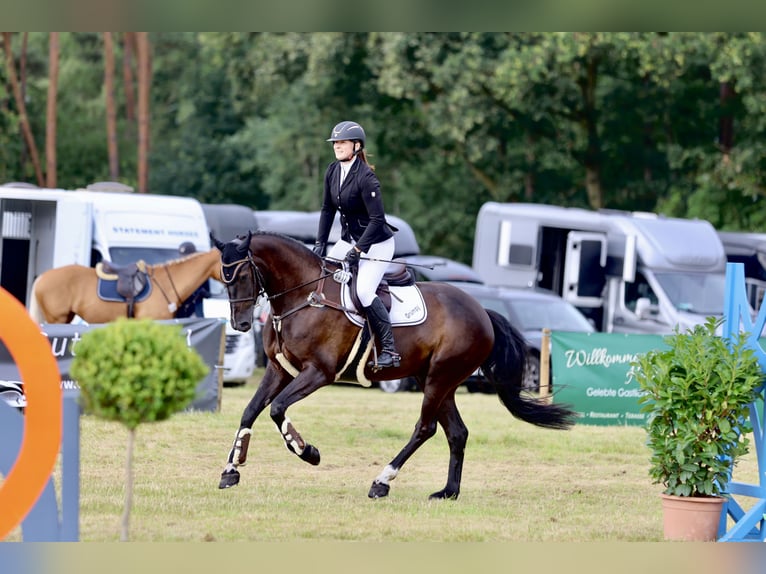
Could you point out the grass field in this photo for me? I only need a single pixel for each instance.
(520, 483)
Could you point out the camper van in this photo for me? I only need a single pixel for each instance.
(45, 228)
(627, 272)
(750, 250)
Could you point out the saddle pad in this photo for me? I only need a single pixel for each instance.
(408, 307)
(107, 291)
(352, 371)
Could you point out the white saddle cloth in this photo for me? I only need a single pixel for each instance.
(408, 307)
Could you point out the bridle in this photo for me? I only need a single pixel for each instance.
(257, 280)
(255, 277)
(231, 271)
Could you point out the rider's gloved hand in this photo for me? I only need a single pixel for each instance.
(319, 248)
(352, 257)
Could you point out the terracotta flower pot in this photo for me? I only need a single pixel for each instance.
(692, 518)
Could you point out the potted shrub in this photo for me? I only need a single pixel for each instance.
(697, 392)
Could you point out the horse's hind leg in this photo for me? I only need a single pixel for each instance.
(266, 391)
(424, 429)
(457, 437)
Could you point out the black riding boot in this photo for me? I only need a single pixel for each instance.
(381, 326)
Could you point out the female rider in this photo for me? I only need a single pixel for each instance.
(367, 240)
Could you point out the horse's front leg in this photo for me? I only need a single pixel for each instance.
(307, 381)
(273, 381)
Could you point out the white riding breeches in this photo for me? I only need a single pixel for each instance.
(370, 272)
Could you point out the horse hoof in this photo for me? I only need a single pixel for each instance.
(310, 454)
(228, 479)
(378, 490)
(444, 495)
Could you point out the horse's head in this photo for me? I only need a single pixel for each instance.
(240, 275)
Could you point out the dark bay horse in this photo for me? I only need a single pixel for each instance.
(314, 339)
(63, 292)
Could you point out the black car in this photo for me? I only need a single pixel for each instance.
(530, 311)
(435, 268)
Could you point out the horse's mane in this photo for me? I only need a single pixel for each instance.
(178, 260)
(277, 234)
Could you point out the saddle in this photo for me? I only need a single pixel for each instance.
(397, 290)
(130, 282)
(397, 275)
(399, 293)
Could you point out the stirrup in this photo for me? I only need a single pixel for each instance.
(395, 359)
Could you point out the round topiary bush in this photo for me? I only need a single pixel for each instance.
(136, 371)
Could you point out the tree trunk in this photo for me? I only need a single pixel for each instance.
(50, 122)
(144, 89)
(529, 173)
(726, 123)
(124, 535)
(129, 50)
(592, 158)
(23, 85)
(22, 109)
(111, 111)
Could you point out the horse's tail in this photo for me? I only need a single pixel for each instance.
(34, 306)
(504, 368)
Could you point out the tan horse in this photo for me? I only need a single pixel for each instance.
(61, 293)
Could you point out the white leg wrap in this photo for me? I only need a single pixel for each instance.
(238, 446)
(389, 473)
(289, 438)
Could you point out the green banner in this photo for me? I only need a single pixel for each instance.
(591, 372)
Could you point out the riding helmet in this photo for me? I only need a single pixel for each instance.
(351, 131)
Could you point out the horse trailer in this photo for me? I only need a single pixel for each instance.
(302, 225)
(47, 228)
(628, 272)
(750, 250)
(41, 229)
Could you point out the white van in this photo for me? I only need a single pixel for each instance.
(45, 228)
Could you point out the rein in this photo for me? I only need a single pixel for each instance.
(315, 299)
(258, 282)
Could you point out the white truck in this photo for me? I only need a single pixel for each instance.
(628, 272)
